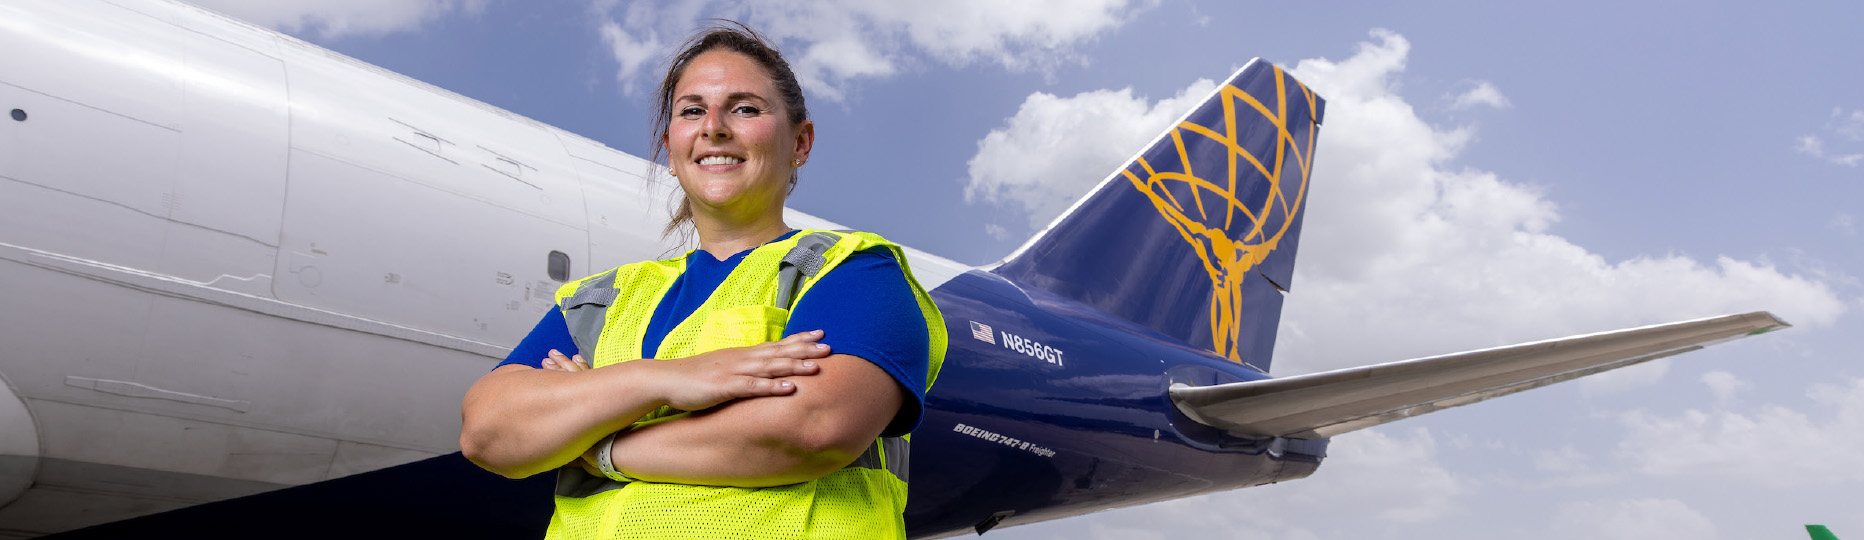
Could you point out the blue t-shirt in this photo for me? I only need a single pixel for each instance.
(863, 307)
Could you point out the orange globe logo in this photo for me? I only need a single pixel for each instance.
(1232, 232)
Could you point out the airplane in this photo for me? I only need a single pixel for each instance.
(250, 278)
(1819, 532)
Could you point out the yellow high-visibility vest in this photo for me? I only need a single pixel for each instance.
(608, 315)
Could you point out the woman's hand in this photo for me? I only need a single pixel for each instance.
(556, 362)
(702, 381)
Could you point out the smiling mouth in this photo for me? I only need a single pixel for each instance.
(720, 160)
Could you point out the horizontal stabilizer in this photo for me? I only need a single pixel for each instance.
(1326, 404)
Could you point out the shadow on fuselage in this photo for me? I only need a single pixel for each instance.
(440, 497)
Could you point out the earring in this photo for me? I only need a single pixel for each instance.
(796, 163)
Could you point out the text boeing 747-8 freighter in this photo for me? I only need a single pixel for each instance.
(237, 262)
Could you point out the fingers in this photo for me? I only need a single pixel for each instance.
(702, 381)
(802, 345)
(759, 386)
(809, 336)
(557, 362)
(782, 367)
(793, 355)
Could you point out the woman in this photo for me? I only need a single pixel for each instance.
(784, 438)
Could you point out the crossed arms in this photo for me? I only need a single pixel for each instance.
(770, 414)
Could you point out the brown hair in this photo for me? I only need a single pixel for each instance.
(732, 36)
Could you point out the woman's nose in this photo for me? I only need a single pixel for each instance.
(716, 128)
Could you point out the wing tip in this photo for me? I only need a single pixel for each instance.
(1768, 323)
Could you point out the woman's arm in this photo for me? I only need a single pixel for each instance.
(518, 421)
(832, 417)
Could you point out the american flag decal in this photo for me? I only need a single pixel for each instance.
(983, 333)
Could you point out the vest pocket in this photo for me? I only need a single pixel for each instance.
(741, 326)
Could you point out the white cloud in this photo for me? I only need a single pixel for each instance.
(1812, 145)
(1809, 145)
(340, 18)
(1484, 93)
(1632, 519)
(629, 51)
(1569, 467)
(1849, 125)
(1398, 479)
(1845, 126)
(1565, 460)
(831, 43)
(1387, 480)
(1726, 386)
(1055, 149)
(1843, 223)
(1769, 446)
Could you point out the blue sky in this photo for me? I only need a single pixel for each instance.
(1490, 173)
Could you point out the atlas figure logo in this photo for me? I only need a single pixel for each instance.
(1232, 232)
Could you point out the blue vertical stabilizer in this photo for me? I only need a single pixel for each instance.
(1195, 236)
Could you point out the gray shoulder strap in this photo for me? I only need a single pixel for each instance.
(586, 311)
(802, 262)
(892, 454)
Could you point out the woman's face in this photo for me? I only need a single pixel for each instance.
(730, 142)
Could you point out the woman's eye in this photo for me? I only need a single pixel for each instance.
(746, 110)
(690, 112)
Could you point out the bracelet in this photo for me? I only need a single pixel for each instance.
(602, 461)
